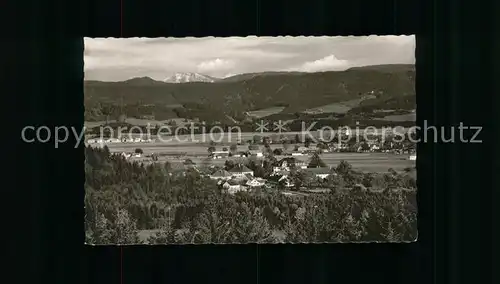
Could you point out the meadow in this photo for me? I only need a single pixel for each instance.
(265, 112)
(339, 107)
(401, 117)
(366, 162)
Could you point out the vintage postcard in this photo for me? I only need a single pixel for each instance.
(250, 140)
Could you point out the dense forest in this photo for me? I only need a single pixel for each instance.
(123, 198)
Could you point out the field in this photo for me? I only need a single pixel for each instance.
(341, 107)
(140, 122)
(265, 112)
(92, 124)
(133, 121)
(401, 117)
(178, 152)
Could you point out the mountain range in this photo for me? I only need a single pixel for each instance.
(198, 95)
(190, 77)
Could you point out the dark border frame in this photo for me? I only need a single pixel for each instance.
(47, 80)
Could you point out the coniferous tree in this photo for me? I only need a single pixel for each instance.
(233, 148)
(316, 162)
(343, 167)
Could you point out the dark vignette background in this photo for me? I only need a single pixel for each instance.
(43, 69)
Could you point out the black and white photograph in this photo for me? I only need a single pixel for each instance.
(242, 140)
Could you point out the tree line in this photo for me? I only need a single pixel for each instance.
(185, 206)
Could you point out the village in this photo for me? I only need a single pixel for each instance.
(264, 163)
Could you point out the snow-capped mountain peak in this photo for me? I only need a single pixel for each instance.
(187, 77)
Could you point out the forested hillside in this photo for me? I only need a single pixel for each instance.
(122, 198)
(234, 96)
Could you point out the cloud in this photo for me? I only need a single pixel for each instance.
(328, 63)
(116, 59)
(215, 65)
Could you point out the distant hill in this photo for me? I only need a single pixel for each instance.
(234, 96)
(387, 68)
(142, 81)
(139, 81)
(247, 76)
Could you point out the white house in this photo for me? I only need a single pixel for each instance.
(300, 164)
(232, 187)
(94, 141)
(320, 172)
(256, 153)
(281, 173)
(297, 154)
(236, 188)
(286, 163)
(256, 182)
(126, 155)
(239, 154)
(219, 154)
(303, 149)
(240, 171)
(413, 157)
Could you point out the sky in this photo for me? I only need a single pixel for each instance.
(118, 59)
